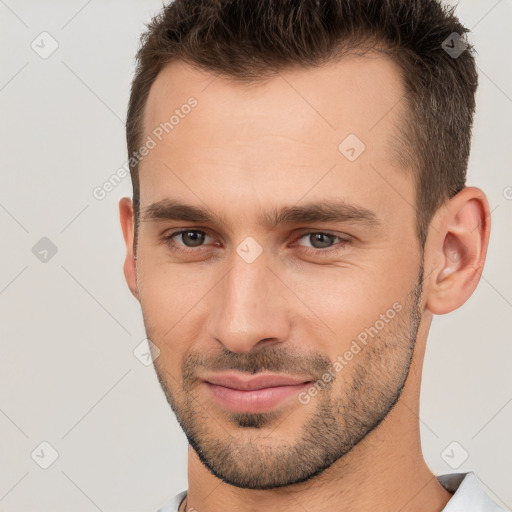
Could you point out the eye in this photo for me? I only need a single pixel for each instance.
(319, 240)
(323, 242)
(190, 239)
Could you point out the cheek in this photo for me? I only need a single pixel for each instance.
(167, 288)
(172, 301)
(337, 305)
(328, 306)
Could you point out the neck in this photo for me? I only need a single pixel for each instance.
(368, 478)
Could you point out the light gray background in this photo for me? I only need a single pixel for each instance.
(68, 375)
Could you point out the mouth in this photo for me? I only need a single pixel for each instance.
(254, 394)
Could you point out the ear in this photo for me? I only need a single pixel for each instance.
(456, 249)
(127, 225)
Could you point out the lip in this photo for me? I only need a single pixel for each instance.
(255, 393)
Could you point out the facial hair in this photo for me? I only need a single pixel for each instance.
(254, 456)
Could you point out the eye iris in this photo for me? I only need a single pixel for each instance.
(317, 237)
(195, 237)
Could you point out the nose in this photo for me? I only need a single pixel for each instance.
(250, 307)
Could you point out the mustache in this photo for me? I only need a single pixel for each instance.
(273, 359)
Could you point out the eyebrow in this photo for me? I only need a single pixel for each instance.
(326, 211)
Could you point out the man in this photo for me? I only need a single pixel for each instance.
(299, 215)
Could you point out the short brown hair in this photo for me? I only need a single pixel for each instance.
(249, 40)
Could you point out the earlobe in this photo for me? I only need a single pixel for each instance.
(458, 247)
(127, 225)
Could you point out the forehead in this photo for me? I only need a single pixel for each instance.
(274, 138)
(353, 94)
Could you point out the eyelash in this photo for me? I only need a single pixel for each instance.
(168, 239)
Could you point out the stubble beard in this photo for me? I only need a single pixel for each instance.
(246, 450)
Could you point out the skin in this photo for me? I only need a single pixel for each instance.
(247, 149)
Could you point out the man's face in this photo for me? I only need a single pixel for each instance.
(239, 295)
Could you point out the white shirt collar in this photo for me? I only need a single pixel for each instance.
(468, 495)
